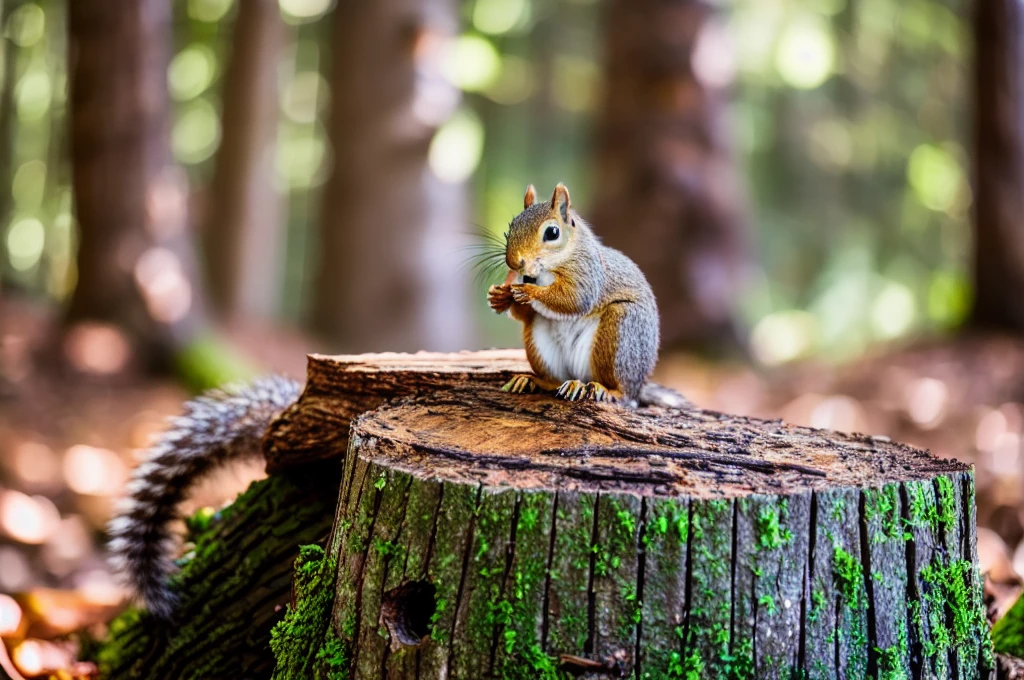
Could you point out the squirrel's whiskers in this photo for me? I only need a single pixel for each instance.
(487, 259)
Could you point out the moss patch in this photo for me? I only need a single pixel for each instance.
(303, 640)
(956, 615)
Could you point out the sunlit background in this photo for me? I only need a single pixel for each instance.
(849, 127)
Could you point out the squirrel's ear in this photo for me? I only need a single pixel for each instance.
(530, 197)
(560, 201)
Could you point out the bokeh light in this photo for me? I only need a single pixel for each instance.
(806, 53)
(10, 615)
(101, 349)
(196, 132)
(35, 464)
(456, 148)
(33, 95)
(26, 24)
(94, 471)
(783, 336)
(472, 63)
(28, 519)
(302, 11)
(303, 97)
(191, 71)
(164, 285)
(209, 11)
(497, 17)
(25, 241)
(935, 177)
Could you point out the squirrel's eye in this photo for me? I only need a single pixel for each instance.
(551, 233)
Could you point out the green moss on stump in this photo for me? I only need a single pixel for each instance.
(735, 566)
(303, 641)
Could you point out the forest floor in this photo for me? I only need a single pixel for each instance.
(67, 445)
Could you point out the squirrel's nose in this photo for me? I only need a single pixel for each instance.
(522, 262)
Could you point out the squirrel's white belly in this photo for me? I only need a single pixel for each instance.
(564, 345)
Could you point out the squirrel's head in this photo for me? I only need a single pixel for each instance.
(543, 236)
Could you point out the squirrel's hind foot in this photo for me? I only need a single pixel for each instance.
(577, 390)
(599, 392)
(521, 384)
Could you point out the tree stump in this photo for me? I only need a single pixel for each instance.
(482, 534)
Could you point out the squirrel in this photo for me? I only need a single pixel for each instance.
(590, 325)
(590, 320)
(217, 427)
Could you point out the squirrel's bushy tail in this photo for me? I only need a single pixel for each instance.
(216, 427)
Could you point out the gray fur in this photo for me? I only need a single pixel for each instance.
(637, 351)
(217, 427)
(601, 277)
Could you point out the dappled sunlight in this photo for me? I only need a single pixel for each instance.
(456, 149)
(97, 348)
(164, 285)
(94, 471)
(27, 519)
(36, 465)
(927, 400)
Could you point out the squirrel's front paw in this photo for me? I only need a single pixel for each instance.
(499, 298)
(521, 292)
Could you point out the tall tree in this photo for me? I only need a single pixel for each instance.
(243, 234)
(999, 164)
(136, 263)
(667, 193)
(389, 269)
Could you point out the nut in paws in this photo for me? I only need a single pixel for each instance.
(499, 298)
(520, 294)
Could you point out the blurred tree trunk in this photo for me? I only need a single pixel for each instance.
(667, 192)
(999, 164)
(136, 264)
(243, 236)
(389, 268)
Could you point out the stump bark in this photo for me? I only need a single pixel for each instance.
(480, 534)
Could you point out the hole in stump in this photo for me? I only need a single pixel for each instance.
(406, 611)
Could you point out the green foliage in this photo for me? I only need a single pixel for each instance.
(1008, 632)
(209, 362)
